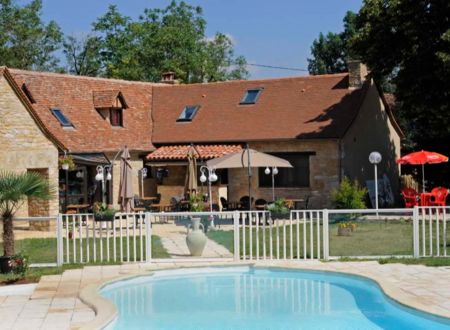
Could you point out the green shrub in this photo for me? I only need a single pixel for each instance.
(279, 206)
(349, 195)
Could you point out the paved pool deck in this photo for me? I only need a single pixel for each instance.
(55, 303)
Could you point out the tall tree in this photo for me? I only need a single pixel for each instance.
(83, 55)
(331, 51)
(410, 40)
(168, 39)
(26, 42)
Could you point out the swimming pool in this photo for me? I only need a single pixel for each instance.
(259, 298)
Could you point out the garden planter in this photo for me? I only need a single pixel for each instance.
(347, 231)
(196, 238)
(104, 217)
(276, 215)
(65, 167)
(6, 265)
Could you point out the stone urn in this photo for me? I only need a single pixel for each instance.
(195, 239)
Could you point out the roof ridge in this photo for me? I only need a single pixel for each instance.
(66, 75)
(322, 76)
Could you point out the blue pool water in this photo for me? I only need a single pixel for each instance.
(248, 298)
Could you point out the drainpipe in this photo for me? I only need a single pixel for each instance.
(340, 159)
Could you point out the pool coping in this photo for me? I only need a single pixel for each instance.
(106, 312)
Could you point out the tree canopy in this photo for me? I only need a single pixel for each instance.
(331, 51)
(26, 42)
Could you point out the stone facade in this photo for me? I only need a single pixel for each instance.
(372, 130)
(25, 147)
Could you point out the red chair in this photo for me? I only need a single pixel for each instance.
(438, 196)
(411, 197)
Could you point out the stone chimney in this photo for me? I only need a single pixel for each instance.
(357, 73)
(169, 78)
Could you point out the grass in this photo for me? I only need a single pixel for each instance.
(43, 250)
(371, 238)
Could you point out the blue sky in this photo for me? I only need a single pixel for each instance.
(276, 33)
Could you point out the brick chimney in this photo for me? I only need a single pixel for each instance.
(357, 73)
(169, 78)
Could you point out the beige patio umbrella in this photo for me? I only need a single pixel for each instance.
(191, 175)
(248, 158)
(126, 185)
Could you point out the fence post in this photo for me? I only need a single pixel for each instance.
(237, 253)
(416, 251)
(148, 237)
(59, 241)
(326, 236)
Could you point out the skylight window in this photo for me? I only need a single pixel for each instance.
(188, 113)
(251, 96)
(63, 120)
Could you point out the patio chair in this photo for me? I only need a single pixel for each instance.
(224, 203)
(438, 196)
(245, 203)
(411, 197)
(260, 204)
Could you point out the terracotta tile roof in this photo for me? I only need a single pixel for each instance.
(287, 108)
(180, 152)
(107, 99)
(74, 95)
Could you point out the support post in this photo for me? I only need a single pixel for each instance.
(326, 236)
(148, 237)
(416, 231)
(59, 241)
(237, 252)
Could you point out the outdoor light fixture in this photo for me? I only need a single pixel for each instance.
(79, 174)
(274, 172)
(375, 158)
(143, 172)
(100, 176)
(212, 177)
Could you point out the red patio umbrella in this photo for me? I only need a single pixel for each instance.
(421, 158)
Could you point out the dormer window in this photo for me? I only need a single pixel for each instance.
(251, 96)
(116, 117)
(188, 113)
(63, 120)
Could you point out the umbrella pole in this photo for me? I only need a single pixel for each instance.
(423, 178)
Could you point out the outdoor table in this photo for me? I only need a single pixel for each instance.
(260, 207)
(77, 207)
(152, 198)
(425, 199)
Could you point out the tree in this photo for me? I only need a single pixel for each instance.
(410, 40)
(330, 52)
(168, 39)
(83, 55)
(26, 42)
(14, 190)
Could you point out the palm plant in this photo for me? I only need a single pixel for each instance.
(15, 189)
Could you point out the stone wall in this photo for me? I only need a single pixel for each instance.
(324, 172)
(24, 146)
(371, 131)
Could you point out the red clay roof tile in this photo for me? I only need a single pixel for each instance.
(180, 152)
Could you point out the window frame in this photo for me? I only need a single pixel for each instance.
(118, 110)
(61, 117)
(259, 92)
(188, 120)
(268, 179)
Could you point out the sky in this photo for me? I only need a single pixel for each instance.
(276, 33)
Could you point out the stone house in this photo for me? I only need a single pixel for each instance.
(326, 126)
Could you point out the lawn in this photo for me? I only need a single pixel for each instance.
(371, 238)
(43, 250)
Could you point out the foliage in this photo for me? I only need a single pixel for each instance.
(349, 195)
(67, 160)
(347, 224)
(19, 264)
(169, 39)
(15, 188)
(410, 41)
(279, 206)
(330, 52)
(196, 203)
(26, 42)
(103, 211)
(83, 55)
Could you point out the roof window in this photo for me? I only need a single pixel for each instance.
(251, 96)
(188, 113)
(63, 120)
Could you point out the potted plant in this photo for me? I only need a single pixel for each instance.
(102, 212)
(15, 189)
(66, 163)
(346, 228)
(279, 209)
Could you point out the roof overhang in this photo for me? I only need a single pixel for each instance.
(177, 153)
